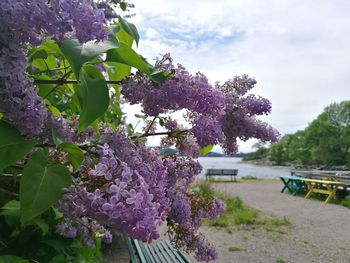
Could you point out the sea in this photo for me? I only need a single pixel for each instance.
(244, 169)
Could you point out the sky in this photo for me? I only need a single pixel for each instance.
(297, 50)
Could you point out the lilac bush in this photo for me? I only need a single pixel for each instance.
(116, 184)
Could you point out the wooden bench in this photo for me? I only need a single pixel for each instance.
(221, 172)
(156, 252)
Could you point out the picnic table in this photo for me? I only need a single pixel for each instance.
(294, 184)
(326, 187)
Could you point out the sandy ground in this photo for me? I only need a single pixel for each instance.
(319, 233)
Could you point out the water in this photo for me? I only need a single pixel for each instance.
(244, 169)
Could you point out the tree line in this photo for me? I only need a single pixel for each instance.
(325, 141)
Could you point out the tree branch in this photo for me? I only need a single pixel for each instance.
(67, 81)
(158, 134)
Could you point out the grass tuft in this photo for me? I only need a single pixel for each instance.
(234, 249)
(250, 177)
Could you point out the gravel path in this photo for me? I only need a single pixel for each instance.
(319, 233)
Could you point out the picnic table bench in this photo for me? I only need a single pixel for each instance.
(155, 252)
(294, 184)
(221, 172)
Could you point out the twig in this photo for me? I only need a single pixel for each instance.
(8, 192)
(158, 134)
(150, 126)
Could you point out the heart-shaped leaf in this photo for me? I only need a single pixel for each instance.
(41, 185)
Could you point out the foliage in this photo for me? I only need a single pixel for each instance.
(325, 141)
(346, 202)
(260, 152)
(73, 171)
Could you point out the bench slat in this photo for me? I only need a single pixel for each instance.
(181, 257)
(169, 252)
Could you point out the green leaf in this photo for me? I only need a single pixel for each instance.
(78, 54)
(11, 208)
(140, 116)
(37, 53)
(126, 55)
(13, 147)
(12, 259)
(130, 129)
(42, 225)
(55, 112)
(48, 63)
(76, 156)
(123, 36)
(122, 5)
(117, 71)
(45, 89)
(130, 29)
(95, 95)
(161, 122)
(56, 137)
(41, 185)
(206, 149)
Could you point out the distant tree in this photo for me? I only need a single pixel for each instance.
(279, 152)
(299, 148)
(329, 135)
(325, 141)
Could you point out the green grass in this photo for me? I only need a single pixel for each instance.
(237, 212)
(234, 249)
(280, 261)
(250, 177)
(346, 202)
(277, 222)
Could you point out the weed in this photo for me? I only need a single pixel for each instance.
(246, 216)
(234, 249)
(220, 222)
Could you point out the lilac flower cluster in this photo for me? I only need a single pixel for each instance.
(30, 22)
(219, 115)
(207, 131)
(239, 120)
(181, 91)
(188, 209)
(131, 197)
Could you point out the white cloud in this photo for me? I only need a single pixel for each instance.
(299, 51)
